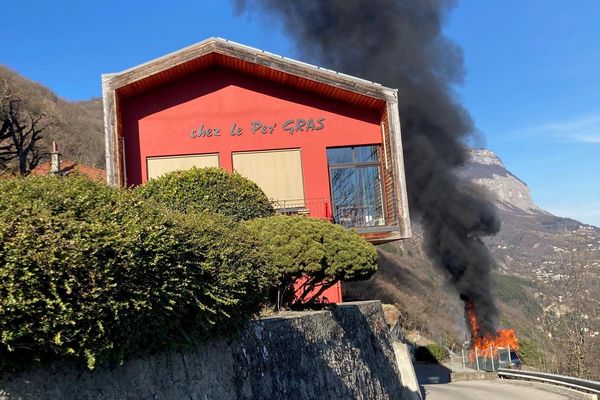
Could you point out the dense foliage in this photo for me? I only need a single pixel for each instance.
(209, 189)
(432, 352)
(95, 274)
(529, 352)
(317, 251)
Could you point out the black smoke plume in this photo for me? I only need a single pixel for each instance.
(400, 44)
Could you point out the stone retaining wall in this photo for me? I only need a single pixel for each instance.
(345, 353)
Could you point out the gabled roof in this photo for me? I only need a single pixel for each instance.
(231, 55)
(67, 167)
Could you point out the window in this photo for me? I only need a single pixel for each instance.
(355, 178)
(277, 172)
(157, 166)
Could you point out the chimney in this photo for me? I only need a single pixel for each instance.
(55, 162)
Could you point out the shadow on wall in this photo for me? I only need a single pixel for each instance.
(345, 353)
(381, 363)
(331, 357)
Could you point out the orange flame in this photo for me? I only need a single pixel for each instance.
(488, 344)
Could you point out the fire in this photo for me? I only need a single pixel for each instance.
(488, 344)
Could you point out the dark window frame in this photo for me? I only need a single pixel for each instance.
(358, 164)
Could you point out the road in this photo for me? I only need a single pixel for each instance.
(492, 390)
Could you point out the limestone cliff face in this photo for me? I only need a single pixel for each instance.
(486, 169)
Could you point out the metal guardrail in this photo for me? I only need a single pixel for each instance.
(566, 381)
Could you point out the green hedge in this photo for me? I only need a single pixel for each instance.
(317, 250)
(96, 274)
(209, 189)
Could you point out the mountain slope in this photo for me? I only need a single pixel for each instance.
(545, 282)
(79, 126)
(486, 169)
(529, 236)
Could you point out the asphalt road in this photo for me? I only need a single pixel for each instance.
(491, 390)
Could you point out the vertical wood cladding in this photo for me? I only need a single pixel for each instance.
(391, 202)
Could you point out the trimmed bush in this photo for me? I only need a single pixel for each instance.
(318, 251)
(209, 189)
(96, 274)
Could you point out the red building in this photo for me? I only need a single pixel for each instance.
(318, 142)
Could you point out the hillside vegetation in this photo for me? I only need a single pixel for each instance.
(78, 126)
(545, 283)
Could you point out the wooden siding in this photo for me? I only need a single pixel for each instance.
(279, 76)
(389, 187)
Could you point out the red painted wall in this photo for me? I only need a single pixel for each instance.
(159, 123)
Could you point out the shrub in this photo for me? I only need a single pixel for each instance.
(530, 352)
(432, 352)
(96, 274)
(437, 351)
(318, 251)
(209, 189)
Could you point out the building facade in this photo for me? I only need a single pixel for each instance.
(319, 143)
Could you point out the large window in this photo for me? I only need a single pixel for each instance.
(356, 186)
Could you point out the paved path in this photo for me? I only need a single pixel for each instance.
(492, 390)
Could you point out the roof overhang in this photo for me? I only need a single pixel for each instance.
(221, 52)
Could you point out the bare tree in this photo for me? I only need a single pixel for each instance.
(572, 320)
(77, 126)
(21, 129)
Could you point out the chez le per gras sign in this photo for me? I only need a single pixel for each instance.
(290, 126)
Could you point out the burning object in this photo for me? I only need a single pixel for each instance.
(500, 347)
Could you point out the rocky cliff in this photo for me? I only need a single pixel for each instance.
(486, 169)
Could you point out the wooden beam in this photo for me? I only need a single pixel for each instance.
(398, 163)
(254, 56)
(108, 100)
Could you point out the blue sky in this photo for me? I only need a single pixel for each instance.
(533, 88)
(532, 83)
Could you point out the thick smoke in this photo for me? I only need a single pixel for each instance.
(400, 44)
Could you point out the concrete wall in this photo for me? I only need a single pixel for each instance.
(345, 353)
